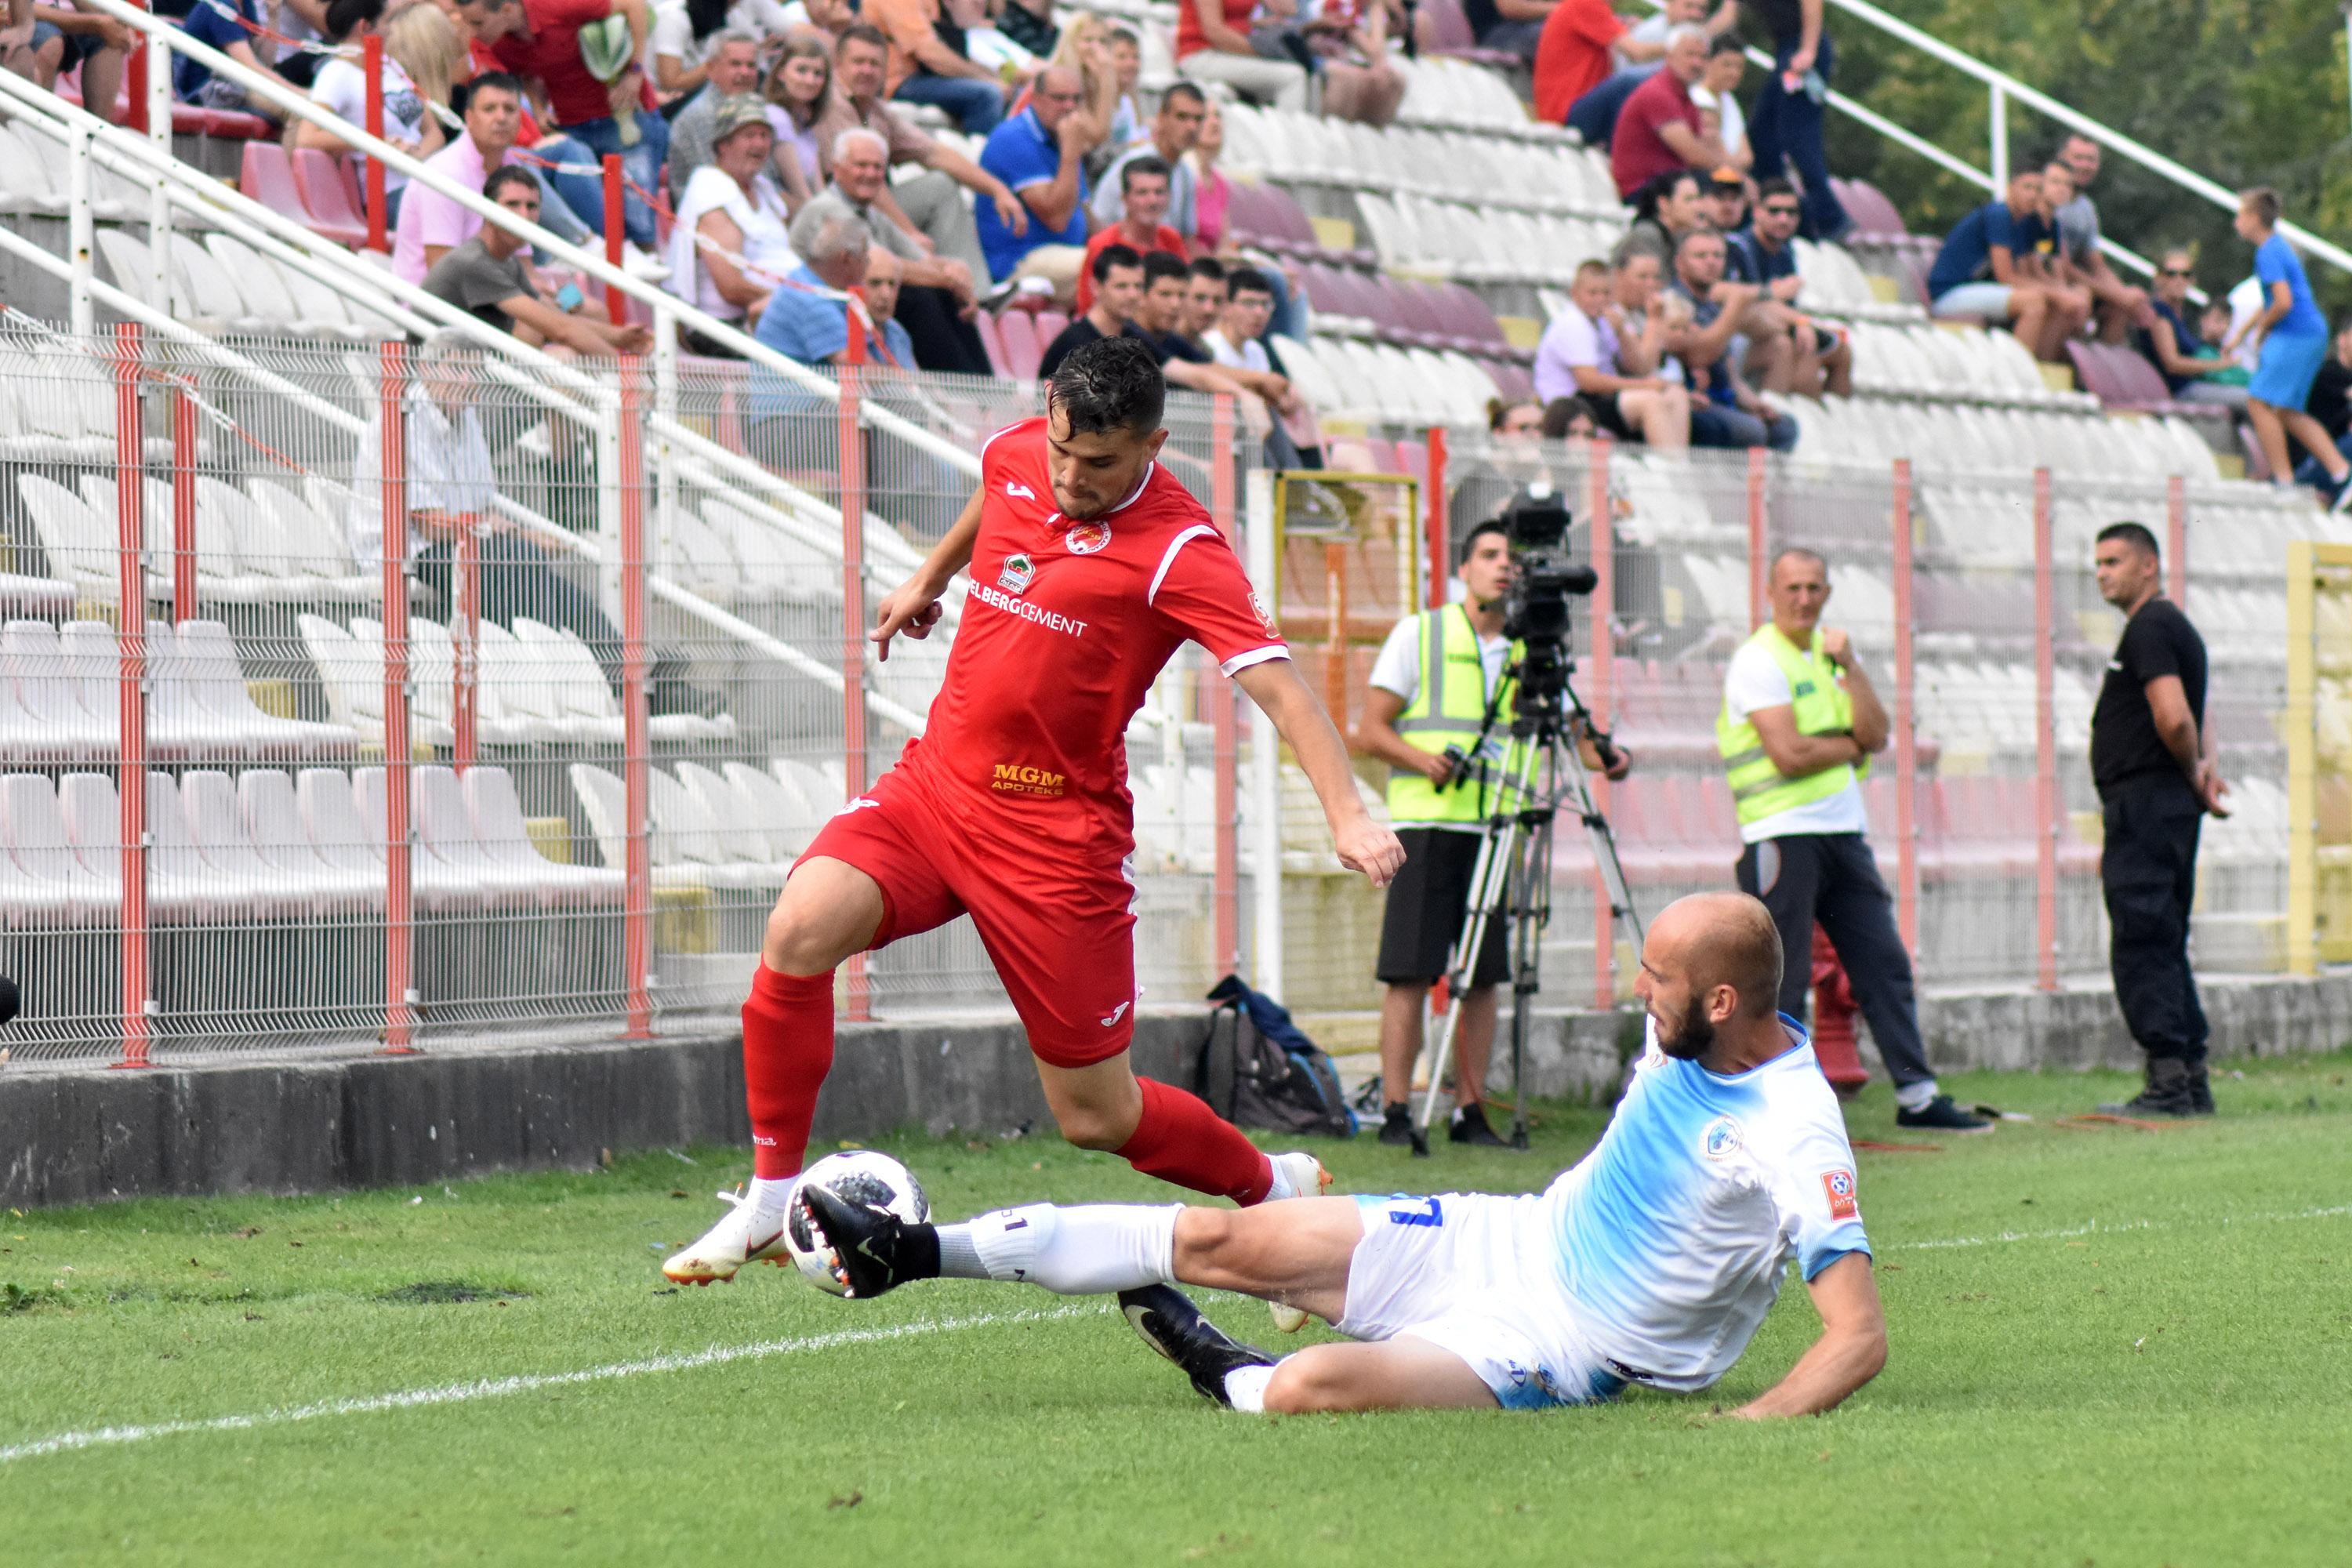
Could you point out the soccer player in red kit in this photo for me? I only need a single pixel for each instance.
(1090, 566)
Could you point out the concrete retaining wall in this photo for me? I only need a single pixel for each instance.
(91, 1135)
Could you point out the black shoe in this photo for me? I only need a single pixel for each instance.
(871, 1246)
(2200, 1091)
(1396, 1124)
(1470, 1127)
(1171, 1325)
(1940, 1115)
(2170, 1092)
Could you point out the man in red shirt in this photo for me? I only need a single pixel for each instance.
(1091, 565)
(1572, 55)
(1658, 129)
(1144, 192)
(539, 40)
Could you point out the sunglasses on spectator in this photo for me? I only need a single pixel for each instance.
(1780, 209)
(2174, 272)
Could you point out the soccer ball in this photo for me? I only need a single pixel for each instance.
(858, 1177)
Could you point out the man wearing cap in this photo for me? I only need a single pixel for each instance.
(1798, 725)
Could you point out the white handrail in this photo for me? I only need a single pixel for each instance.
(2146, 157)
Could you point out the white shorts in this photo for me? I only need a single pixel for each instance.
(1467, 1272)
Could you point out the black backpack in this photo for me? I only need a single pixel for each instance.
(1256, 1069)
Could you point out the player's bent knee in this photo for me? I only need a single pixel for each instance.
(1093, 1127)
(1310, 1381)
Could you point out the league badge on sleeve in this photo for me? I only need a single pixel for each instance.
(1019, 572)
(1839, 1186)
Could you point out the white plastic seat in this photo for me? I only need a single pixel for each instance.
(274, 823)
(439, 884)
(701, 839)
(604, 798)
(41, 881)
(216, 827)
(787, 818)
(332, 820)
(79, 544)
(738, 817)
(208, 664)
(45, 718)
(445, 833)
(504, 834)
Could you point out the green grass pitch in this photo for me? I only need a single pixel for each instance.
(2107, 1346)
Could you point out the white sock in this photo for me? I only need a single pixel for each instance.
(1245, 1386)
(770, 1194)
(1916, 1096)
(1087, 1250)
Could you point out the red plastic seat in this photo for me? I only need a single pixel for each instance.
(334, 214)
(992, 344)
(266, 175)
(1017, 332)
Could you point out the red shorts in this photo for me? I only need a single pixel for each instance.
(1060, 928)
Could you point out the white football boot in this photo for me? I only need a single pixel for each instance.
(1295, 1175)
(748, 1233)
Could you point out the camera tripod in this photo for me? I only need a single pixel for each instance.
(1542, 769)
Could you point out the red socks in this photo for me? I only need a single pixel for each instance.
(1181, 1139)
(787, 1051)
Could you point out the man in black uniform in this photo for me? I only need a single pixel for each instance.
(2154, 767)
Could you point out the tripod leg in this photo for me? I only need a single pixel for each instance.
(1494, 860)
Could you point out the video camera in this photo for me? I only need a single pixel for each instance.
(1535, 611)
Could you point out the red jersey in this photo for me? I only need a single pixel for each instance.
(1065, 628)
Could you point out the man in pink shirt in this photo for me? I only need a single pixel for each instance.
(433, 225)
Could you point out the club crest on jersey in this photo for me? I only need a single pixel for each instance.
(1264, 616)
(1839, 1186)
(1018, 573)
(1085, 538)
(1721, 1140)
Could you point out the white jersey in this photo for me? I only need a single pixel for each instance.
(1671, 1237)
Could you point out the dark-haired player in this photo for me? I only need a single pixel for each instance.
(1090, 566)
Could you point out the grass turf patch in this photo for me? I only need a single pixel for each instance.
(2112, 1345)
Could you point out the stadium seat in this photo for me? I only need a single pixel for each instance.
(1017, 333)
(319, 183)
(43, 879)
(274, 824)
(503, 835)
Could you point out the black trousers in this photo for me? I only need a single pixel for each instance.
(2149, 872)
(942, 340)
(1829, 878)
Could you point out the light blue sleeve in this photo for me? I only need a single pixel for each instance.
(1818, 1193)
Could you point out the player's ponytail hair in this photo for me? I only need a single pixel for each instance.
(1111, 385)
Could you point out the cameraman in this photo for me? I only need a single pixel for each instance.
(1430, 688)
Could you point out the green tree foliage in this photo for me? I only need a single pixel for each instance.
(2244, 91)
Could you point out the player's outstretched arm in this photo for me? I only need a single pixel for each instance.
(913, 606)
(1362, 843)
(1852, 1349)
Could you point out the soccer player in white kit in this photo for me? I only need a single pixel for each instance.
(1652, 1260)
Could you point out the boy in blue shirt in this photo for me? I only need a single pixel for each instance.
(2293, 338)
(1989, 265)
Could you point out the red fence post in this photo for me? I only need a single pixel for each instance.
(399, 911)
(616, 304)
(131, 685)
(1759, 609)
(2176, 540)
(1440, 546)
(1907, 743)
(637, 915)
(1604, 640)
(2045, 737)
(371, 62)
(853, 600)
(1223, 694)
(183, 504)
(466, 633)
(134, 84)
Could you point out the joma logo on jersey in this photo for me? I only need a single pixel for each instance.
(1019, 778)
(1019, 492)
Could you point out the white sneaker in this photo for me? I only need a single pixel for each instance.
(1298, 1174)
(748, 1233)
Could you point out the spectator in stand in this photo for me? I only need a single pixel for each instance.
(2330, 403)
(431, 51)
(1159, 320)
(1513, 27)
(340, 88)
(1725, 410)
(1213, 192)
(1125, 51)
(1205, 300)
(1981, 271)
(1785, 126)
(937, 299)
(1569, 419)
(1139, 226)
(798, 84)
(1658, 131)
(1030, 24)
(1638, 57)
(686, 36)
(432, 224)
(551, 42)
(729, 248)
(1349, 40)
(1722, 197)
(807, 319)
(1115, 272)
(1212, 44)
(884, 276)
(1175, 131)
(2054, 259)
(2293, 336)
(932, 203)
(928, 64)
(1665, 209)
(489, 277)
(1039, 155)
(1717, 95)
(1593, 350)
(2122, 308)
(1572, 55)
(43, 41)
(1819, 360)
(2186, 361)
(234, 27)
(730, 68)
(1518, 421)
(1237, 343)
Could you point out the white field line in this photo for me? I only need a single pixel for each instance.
(2117, 1227)
(500, 1388)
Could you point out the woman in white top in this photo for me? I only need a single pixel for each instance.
(340, 88)
(796, 88)
(728, 249)
(681, 40)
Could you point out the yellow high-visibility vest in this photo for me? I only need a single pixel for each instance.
(1821, 708)
(1447, 710)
